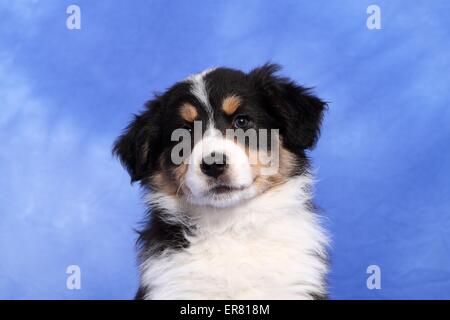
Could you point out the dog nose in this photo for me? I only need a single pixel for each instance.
(214, 165)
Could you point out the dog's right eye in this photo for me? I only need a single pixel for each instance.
(187, 127)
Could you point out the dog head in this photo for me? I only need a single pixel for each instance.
(222, 136)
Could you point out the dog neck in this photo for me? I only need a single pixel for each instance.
(291, 197)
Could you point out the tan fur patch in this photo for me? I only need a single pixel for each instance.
(170, 181)
(230, 104)
(188, 112)
(285, 166)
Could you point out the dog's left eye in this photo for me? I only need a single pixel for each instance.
(241, 122)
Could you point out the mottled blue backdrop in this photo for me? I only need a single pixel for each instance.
(383, 161)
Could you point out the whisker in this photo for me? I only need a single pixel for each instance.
(179, 188)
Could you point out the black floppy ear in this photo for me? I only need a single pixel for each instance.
(132, 147)
(299, 111)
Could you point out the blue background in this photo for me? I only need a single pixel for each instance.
(383, 161)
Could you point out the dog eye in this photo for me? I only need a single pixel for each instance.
(241, 122)
(186, 127)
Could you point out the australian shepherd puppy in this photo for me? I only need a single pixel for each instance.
(222, 159)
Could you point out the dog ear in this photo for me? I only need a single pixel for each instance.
(132, 147)
(299, 111)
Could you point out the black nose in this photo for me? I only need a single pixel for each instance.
(214, 165)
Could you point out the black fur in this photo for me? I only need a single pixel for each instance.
(157, 236)
(299, 112)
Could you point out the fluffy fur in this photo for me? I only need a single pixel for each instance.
(239, 234)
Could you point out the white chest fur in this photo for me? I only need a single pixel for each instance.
(271, 247)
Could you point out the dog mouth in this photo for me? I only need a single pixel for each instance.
(222, 195)
(224, 189)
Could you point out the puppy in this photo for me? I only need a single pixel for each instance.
(230, 216)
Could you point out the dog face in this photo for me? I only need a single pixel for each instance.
(222, 136)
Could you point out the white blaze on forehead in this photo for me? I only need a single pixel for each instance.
(198, 89)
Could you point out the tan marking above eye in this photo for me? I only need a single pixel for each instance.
(188, 112)
(230, 104)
